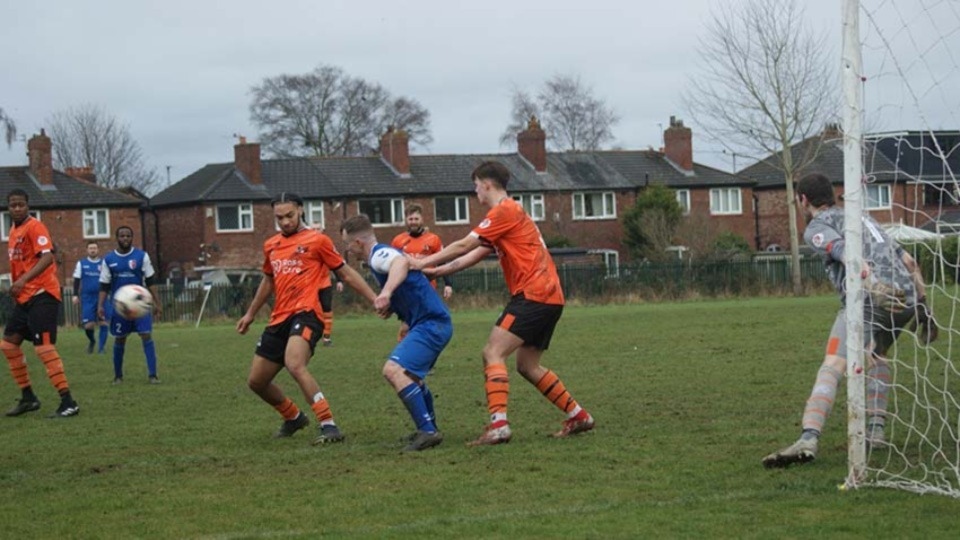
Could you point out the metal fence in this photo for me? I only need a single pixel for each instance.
(586, 283)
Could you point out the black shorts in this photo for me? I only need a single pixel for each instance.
(530, 321)
(326, 299)
(36, 320)
(273, 341)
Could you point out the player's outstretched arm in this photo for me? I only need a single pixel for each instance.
(352, 278)
(466, 261)
(454, 250)
(399, 268)
(264, 290)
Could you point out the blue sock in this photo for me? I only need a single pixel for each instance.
(103, 338)
(117, 359)
(412, 397)
(151, 353)
(428, 400)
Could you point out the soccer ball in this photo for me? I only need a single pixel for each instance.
(132, 302)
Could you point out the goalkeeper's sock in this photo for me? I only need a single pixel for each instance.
(878, 383)
(498, 390)
(288, 409)
(412, 397)
(321, 409)
(553, 389)
(821, 399)
(808, 434)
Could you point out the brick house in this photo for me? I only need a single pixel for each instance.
(219, 216)
(70, 204)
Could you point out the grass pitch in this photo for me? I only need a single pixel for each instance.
(687, 396)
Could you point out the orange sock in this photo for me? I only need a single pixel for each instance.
(51, 360)
(327, 318)
(322, 409)
(18, 368)
(288, 409)
(497, 387)
(553, 389)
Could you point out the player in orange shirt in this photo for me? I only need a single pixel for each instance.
(528, 321)
(293, 261)
(418, 242)
(36, 294)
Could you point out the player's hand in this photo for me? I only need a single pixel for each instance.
(404, 330)
(415, 263)
(339, 286)
(75, 300)
(244, 324)
(101, 313)
(926, 325)
(431, 272)
(447, 292)
(157, 311)
(16, 287)
(884, 296)
(381, 303)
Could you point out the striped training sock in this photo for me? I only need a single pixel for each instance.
(18, 366)
(412, 397)
(322, 409)
(118, 349)
(150, 351)
(288, 409)
(821, 399)
(553, 389)
(498, 391)
(51, 360)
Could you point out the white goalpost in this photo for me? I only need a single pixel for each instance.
(901, 119)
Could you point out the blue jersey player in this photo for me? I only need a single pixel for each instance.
(407, 293)
(124, 266)
(86, 291)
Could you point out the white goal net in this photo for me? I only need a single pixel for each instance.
(905, 96)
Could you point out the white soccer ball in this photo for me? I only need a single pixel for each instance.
(132, 302)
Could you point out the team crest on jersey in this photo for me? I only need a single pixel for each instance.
(42, 240)
(132, 264)
(817, 240)
(301, 250)
(484, 224)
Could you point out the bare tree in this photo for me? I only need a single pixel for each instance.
(765, 84)
(328, 113)
(568, 111)
(89, 136)
(9, 127)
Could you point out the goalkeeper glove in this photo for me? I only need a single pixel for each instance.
(924, 322)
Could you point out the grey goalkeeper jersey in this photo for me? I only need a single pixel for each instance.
(824, 234)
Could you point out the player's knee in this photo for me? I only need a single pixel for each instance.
(257, 385)
(145, 336)
(391, 369)
(8, 347)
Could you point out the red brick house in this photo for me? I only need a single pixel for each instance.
(219, 216)
(70, 204)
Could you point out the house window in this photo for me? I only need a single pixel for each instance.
(532, 205)
(314, 213)
(941, 194)
(96, 223)
(6, 223)
(725, 201)
(383, 211)
(234, 217)
(594, 205)
(878, 197)
(683, 199)
(451, 209)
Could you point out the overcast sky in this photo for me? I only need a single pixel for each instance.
(179, 72)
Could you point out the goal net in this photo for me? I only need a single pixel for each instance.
(902, 105)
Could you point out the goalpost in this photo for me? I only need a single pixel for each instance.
(901, 79)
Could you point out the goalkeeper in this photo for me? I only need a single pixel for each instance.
(895, 296)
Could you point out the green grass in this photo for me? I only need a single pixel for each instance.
(688, 397)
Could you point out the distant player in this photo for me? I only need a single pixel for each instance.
(429, 328)
(292, 263)
(86, 292)
(418, 242)
(527, 323)
(36, 294)
(895, 295)
(124, 266)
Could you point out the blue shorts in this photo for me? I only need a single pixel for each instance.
(419, 350)
(120, 327)
(88, 309)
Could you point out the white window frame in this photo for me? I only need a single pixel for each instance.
(396, 209)
(244, 210)
(726, 202)
(457, 202)
(533, 205)
(313, 208)
(90, 216)
(878, 197)
(608, 205)
(6, 223)
(683, 199)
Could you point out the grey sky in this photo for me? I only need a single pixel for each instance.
(179, 72)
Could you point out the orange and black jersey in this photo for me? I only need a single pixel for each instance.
(527, 265)
(296, 263)
(418, 247)
(27, 243)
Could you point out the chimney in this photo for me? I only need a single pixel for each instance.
(395, 149)
(40, 151)
(678, 144)
(831, 132)
(85, 174)
(532, 145)
(246, 158)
